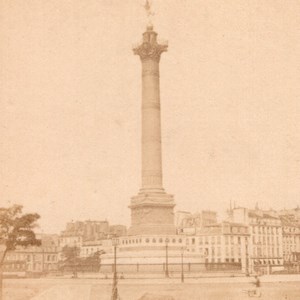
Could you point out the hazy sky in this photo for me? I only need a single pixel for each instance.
(71, 97)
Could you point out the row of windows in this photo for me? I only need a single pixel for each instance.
(289, 239)
(258, 251)
(290, 257)
(15, 266)
(289, 248)
(154, 240)
(268, 262)
(212, 240)
(87, 250)
(192, 241)
(265, 230)
(290, 229)
(31, 257)
(226, 260)
(265, 240)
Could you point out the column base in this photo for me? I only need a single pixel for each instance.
(152, 213)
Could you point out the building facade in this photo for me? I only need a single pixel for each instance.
(265, 247)
(34, 259)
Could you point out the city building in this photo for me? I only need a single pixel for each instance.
(77, 233)
(290, 220)
(89, 248)
(188, 223)
(34, 259)
(265, 247)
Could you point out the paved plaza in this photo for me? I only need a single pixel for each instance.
(95, 289)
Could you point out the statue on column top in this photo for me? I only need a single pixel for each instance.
(149, 12)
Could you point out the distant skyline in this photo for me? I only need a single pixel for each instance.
(70, 105)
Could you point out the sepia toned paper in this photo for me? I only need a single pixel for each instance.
(78, 144)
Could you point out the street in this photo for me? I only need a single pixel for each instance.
(95, 289)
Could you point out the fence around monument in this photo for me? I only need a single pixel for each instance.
(157, 268)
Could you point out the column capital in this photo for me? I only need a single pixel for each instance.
(150, 48)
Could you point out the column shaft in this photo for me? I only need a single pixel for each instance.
(151, 126)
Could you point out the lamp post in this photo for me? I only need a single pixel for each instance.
(167, 265)
(114, 294)
(182, 274)
(247, 258)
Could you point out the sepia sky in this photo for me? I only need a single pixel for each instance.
(70, 104)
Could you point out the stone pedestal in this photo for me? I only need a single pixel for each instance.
(152, 214)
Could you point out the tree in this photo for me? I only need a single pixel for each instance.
(16, 229)
(93, 262)
(71, 258)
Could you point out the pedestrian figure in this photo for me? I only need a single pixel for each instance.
(257, 282)
(256, 292)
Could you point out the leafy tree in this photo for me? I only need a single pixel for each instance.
(70, 254)
(93, 261)
(16, 229)
(71, 258)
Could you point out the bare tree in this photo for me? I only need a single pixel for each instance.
(16, 229)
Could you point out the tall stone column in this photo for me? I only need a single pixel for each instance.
(152, 208)
(150, 52)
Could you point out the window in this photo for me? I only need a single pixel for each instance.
(153, 240)
(226, 240)
(200, 241)
(227, 251)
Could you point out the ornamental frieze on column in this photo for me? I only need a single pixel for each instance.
(150, 51)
